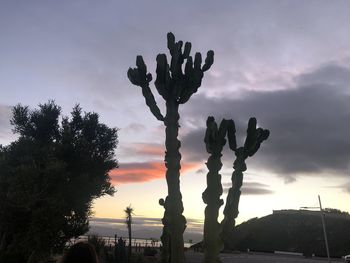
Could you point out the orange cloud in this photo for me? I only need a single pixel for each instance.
(149, 149)
(143, 172)
(144, 149)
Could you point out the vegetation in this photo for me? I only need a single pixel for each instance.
(49, 178)
(176, 85)
(128, 220)
(99, 245)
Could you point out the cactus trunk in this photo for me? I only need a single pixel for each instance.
(215, 141)
(177, 222)
(233, 196)
(165, 238)
(211, 239)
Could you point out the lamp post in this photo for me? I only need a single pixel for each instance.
(323, 225)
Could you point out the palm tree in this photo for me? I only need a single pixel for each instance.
(129, 211)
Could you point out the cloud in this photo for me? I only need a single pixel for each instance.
(309, 123)
(201, 171)
(251, 188)
(143, 149)
(143, 172)
(135, 127)
(344, 187)
(84, 47)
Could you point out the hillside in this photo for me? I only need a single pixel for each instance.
(294, 231)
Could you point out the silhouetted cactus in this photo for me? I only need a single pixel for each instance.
(176, 87)
(255, 136)
(215, 141)
(216, 234)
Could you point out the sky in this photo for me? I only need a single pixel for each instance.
(287, 63)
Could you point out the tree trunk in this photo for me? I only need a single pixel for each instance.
(177, 222)
(129, 249)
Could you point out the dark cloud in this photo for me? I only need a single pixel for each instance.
(309, 123)
(251, 188)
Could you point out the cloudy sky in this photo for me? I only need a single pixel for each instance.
(285, 62)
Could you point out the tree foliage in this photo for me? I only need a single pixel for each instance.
(49, 178)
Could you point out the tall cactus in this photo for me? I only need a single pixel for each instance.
(255, 136)
(215, 141)
(176, 87)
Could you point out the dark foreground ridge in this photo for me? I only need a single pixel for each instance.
(293, 231)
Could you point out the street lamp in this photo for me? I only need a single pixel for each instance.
(323, 225)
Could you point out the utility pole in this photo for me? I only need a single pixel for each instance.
(323, 226)
(324, 229)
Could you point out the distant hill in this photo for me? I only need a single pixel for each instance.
(294, 231)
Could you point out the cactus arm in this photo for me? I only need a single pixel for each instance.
(254, 137)
(187, 50)
(194, 74)
(185, 85)
(163, 79)
(151, 103)
(250, 140)
(231, 134)
(139, 77)
(209, 60)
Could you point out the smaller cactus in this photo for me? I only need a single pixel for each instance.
(215, 141)
(255, 136)
(216, 234)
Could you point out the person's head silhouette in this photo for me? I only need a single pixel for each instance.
(80, 252)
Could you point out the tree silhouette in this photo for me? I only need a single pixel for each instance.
(129, 211)
(49, 178)
(176, 86)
